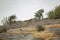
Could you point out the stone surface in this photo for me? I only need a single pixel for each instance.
(20, 37)
(16, 36)
(54, 30)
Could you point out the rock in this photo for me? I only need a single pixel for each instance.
(54, 30)
(20, 37)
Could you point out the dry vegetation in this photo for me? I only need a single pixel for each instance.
(22, 30)
(52, 26)
(43, 34)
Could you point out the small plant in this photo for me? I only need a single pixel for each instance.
(40, 28)
(3, 29)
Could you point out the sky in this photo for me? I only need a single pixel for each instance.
(25, 9)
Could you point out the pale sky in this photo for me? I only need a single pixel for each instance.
(25, 9)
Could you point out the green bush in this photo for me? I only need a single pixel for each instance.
(40, 28)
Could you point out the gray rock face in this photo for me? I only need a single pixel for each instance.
(16, 37)
(54, 30)
(20, 37)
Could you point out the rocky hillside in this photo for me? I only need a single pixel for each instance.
(22, 34)
(51, 32)
(34, 22)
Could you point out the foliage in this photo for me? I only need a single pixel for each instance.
(51, 15)
(12, 18)
(39, 13)
(6, 22)
(3, 29)
(9, 20)
(40, 28)
(54, 14)
(4, 26)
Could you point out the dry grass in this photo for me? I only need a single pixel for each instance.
(43, 35)
(22, 31)
(48, 38)
(52, 26)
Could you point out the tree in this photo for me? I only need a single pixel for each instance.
(12, 18)
(57, 12)
(51, 15)
(39, 14)
(5, 25)
(54, 14)
(6, 22)
(9, 19)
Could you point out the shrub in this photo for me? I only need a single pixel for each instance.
(3, 29)
(40, 28)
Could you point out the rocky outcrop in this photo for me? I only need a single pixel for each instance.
(7, 36)
(34, 22)
(55, 29)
